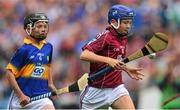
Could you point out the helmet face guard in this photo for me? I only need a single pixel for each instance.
(31, 20)
(118, 13)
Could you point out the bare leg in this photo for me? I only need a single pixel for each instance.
(124, 102)
(48, 107)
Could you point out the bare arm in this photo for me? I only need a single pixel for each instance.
(50, 82)
(92, 57)
(133, 72)
(13, 83)
(23, 98)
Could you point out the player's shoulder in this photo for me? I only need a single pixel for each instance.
(49, 44)
(105, 33)
(21, 49)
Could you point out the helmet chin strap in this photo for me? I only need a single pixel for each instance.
(30, 29)
(119, 34)
(39, 38)
(116, 27)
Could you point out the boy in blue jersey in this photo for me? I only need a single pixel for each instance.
(29, 69)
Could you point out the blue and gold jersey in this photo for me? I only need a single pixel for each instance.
(30, 65)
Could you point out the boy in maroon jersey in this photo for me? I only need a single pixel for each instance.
(108, 49)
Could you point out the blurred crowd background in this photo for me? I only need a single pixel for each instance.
(74, 22)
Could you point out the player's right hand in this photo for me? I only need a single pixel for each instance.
(24, 100)
(116, 64)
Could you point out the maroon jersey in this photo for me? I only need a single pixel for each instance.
(107, 44)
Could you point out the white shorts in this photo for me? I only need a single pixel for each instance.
(94, 98)
(14, 103)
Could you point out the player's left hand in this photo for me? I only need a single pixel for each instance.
(134, 72)
(24, 100)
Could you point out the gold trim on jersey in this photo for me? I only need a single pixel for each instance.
(29, 41)
(27, 70)
(13, 69)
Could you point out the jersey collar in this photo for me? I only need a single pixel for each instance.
(29, 41)
(113, 32)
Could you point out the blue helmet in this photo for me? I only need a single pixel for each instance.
(119, 12)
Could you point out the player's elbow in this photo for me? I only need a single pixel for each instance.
(9, 75)
(87, 55)
(82, 56)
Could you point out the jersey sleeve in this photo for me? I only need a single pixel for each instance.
(97, 44)
(17, 61)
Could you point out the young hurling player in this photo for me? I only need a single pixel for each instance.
(107, 49)
(29, 69)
